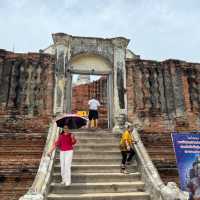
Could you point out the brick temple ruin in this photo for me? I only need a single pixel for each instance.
(160, 97)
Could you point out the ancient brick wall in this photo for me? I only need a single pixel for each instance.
(82, 93)
(20, 155)
(26, 106)
(26, 88)
(163, 97)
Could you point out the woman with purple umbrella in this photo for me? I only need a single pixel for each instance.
(65, 143)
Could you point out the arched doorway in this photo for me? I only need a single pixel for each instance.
(89, 55)
(92, 65)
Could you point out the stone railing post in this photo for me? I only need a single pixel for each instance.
(120, 120)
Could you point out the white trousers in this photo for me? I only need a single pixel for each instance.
(65, 163)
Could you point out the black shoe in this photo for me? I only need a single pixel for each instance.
(122, 168)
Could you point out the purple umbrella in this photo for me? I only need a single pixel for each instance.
(73, 121)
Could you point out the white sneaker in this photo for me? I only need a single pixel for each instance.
(62, 183)
(67, 184)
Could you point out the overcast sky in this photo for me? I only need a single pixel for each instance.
(158, 29)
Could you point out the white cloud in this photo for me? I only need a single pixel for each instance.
(157, 29)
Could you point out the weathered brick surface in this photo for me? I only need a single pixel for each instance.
(26, 88)
(20, 155)
(164, 97)
(26, 103)
(160, 149)
(13, 188)
(82, 93)
(165, 92)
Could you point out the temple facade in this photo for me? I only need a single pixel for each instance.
(158, 97)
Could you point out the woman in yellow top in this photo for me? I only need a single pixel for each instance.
(126, 147)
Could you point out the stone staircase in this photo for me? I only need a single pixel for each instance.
(96, 171)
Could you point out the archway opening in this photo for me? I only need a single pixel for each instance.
(84, 87)
(97, 71)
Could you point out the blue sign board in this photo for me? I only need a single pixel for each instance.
(187, 150)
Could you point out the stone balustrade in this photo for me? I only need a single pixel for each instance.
(151, 177)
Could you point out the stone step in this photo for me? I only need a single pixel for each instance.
(101, 196)
(96, 154)
(99, 177)
(97, 168)
(97, 135)
(171, 152)
(92, 131)
(12, 147)
(163, 158)
(20, 157)
(20, 153)
(97, 147)
(98, 141)
(83, 188)
(15, 159)
(93, 161)
(94, 135)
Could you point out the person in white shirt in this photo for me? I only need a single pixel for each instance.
(93, 111)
